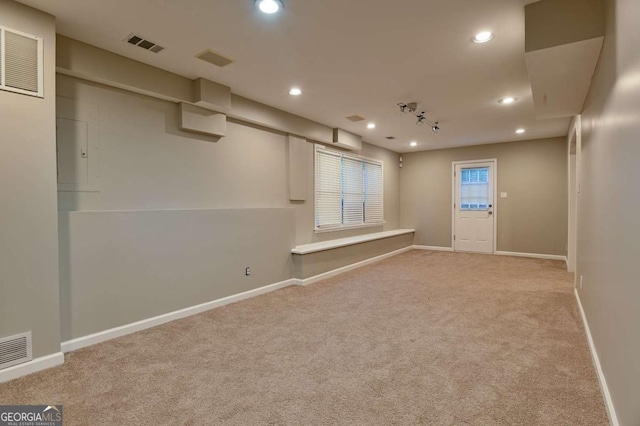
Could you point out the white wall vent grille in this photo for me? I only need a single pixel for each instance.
(21, 62)
(15, 350)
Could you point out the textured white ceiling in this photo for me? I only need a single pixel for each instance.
(350, 57)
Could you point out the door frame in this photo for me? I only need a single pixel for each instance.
(494, 162)
(574, 143)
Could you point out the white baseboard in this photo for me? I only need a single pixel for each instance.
(532, 255)
(334, 272)
(499, 253)
(433, 248)
(32, 366)
(92, 339)
(596, 361)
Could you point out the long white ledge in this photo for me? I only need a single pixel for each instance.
(343, 242)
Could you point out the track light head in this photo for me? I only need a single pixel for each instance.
(421, 116)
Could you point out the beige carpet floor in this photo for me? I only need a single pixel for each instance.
(420, 338)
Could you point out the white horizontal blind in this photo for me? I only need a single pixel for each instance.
(328, 189)
(352, 196)
(349, 190)
(374, 208)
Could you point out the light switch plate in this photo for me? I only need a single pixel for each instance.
(503, 195)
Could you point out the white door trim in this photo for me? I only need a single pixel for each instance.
(495, 198)
(575, 137)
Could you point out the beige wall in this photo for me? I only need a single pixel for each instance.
(28, 224)
(146, 162)
(608, 205)
(122, 267)
(178, 216)
(533, 219)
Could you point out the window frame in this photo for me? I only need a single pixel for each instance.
(342, 227)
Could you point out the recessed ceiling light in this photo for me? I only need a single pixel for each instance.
(520, 131)
(507, 100)
(269, 6)
(371, 126)
(414, 143)
(295, 91)
(483, 37)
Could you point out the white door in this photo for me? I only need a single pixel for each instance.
(473, 210)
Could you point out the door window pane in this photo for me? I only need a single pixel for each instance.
(474, 188)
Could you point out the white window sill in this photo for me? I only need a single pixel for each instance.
(347, 227)
(343, 242)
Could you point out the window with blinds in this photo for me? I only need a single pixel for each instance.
(21, 62)
(474, 188)
(349, 190)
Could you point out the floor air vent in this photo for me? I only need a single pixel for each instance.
(143, 43)
(15, 350)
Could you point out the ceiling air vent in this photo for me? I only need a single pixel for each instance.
(214, 58)
(390, 138)
(145, 44)
(355, 118)
(15, 350)
(21, 59)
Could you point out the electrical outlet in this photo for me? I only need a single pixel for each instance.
(247, 271)
(581, 282)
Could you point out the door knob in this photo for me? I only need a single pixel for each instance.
(490, 212)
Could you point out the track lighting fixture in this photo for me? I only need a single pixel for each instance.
(412, 107)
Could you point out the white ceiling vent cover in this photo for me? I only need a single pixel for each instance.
(15, 350)
(214, 58)
(21, 62)
(355, 118)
